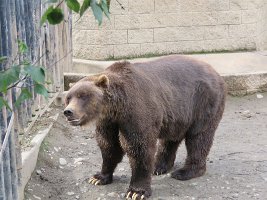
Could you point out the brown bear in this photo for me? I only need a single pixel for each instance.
(134, 105)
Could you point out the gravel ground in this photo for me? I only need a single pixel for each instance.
(236, 169)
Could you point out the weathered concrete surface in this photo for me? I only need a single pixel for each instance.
(171, 26)
(243, 72)
(236, 168)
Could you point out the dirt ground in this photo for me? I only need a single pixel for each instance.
(236, 168)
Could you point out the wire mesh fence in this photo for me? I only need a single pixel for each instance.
(48, 46)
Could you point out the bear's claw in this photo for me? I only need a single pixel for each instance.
(135, 196)
(94, 181)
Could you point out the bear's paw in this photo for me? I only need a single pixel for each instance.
(101, 179)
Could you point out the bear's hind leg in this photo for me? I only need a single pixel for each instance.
(112, 153)
(198, 147)
(165, 156)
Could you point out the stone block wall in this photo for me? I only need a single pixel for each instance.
(172, 26)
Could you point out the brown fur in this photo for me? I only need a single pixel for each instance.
(170, 99)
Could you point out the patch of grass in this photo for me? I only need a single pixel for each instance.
(151, 55)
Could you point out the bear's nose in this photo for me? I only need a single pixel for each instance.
(68, 112)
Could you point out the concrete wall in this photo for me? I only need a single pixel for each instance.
(172, 26)
(262, 27)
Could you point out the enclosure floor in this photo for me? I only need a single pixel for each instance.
(236, 167)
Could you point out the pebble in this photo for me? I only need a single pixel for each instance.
(113, 194)
(38, 172)
(62, 161)
(78, 160)
(194, 184)
(235, 195)
(77, 196)
(259, 96)
(70, 193)
(36, 197)
(246, 114)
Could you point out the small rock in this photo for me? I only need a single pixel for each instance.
(235, 195)
(77, 196)
(78, 160)
(193, 184)
(113, 194)
(259, 96)
(38, 172)
(84, 143)
(36, 197)
(70, 193)
(246, 114)
(62, 161)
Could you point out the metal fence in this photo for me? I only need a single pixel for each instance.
(48, 46)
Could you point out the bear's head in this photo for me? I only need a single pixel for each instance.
(85, 100)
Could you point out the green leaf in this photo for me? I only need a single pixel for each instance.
(105, 8)
(40, 89)
(4, 103)
(3, 58)
(22, 47)
(36, 73)
(73, 5)
(8, 77)
(24, 94)
(85, 6)
(55, 16)
(44, 17)
(97, 10)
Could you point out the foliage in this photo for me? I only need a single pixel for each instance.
(54, 14)
(17, 75)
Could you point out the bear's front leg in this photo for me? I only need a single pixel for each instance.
(107, 137)
(141, 156)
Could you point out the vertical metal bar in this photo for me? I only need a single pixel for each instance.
(2, 191)
(2, 188)
(13, 166)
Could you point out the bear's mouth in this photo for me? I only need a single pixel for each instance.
(74, 122)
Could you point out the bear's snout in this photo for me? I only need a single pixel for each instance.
(68, 112)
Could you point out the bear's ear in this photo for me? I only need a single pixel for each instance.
(102, 81)
(71, 84)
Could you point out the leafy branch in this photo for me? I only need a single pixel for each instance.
(54, 14)
(17, 75)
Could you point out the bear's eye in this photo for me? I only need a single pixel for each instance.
(82, 96)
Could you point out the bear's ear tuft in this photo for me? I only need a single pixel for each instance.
(102, 81)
